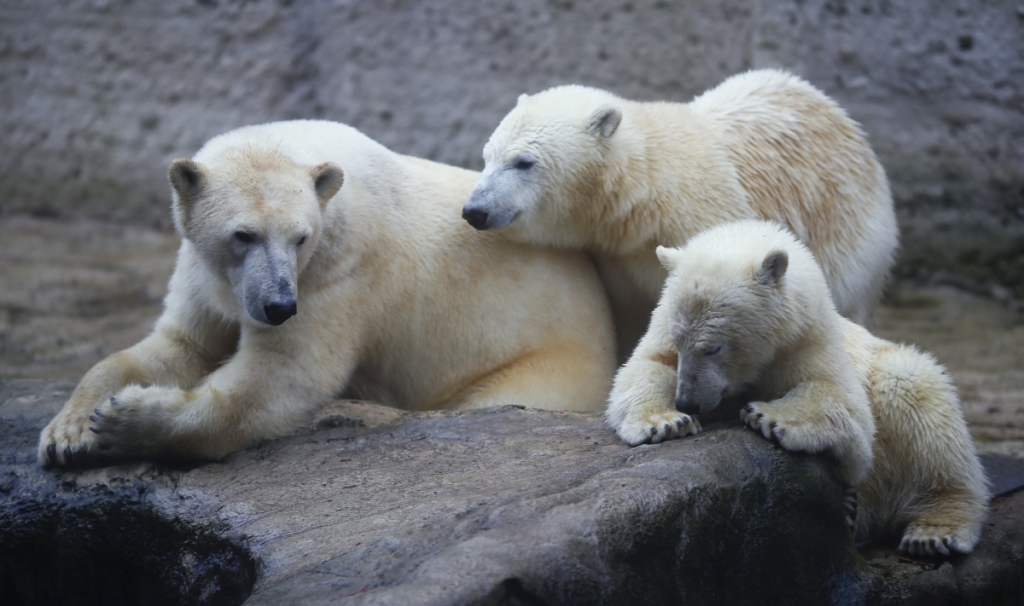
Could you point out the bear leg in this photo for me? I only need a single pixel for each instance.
(641, 407)
(817, 416)
(167, 357)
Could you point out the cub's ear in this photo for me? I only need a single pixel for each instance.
(604, 122)
(773, 268)
(327, 180)
(188, 179)
(669, 257)
(522, 97)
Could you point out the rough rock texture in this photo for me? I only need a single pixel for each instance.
(98, 96)
(503, 506)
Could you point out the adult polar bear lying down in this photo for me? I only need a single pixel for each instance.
(746, 315)
(296, 281)
(580, 168)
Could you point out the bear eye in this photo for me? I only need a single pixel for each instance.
(245, 237)
(523, 164)
(712, 350)
(301, 241)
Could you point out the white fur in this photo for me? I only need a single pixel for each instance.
(618, 178)
(397, 301)
(755, 330)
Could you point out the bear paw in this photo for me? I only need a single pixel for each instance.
(66, 441)
(935, 541)
(790, 434)
(654, 427)
(130, 422)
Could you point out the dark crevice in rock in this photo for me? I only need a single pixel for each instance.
(101, 549)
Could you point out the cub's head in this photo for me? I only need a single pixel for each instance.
(729, 308)
(542, 162)
(254, 217)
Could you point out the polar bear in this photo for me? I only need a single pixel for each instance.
(579, 168)
(316, 261)
(746, 314)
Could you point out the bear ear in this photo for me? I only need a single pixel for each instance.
(604, 122)
(669, 257)
(327, 180)
(188, 178)
(522, 97)
(773, 268)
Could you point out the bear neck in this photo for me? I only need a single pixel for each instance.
(666, 177)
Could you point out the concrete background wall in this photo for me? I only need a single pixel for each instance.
(98, 96)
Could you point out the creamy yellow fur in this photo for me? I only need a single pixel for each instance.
(618, 178)
(887, 412)
(397, 301)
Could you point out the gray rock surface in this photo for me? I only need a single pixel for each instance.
(502, 506)
(99, 95)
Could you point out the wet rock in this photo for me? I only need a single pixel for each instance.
(506, 505)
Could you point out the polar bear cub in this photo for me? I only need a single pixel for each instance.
(315, 261)
(580, 168)
(746, 315)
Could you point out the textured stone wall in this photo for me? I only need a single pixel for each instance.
(96, 97)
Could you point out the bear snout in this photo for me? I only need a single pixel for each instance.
(477, 217)
(687, 406)
(278, 313)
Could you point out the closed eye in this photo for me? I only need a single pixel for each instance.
(523, 164)
(714, 349)
(301, 241)
(244, 237)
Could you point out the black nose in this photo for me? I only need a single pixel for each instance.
(277, 313)
(476, 217)
(687, 407)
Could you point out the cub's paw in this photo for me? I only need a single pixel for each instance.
(656, 426)
(936, 541)
(790, 434)
(66, 441)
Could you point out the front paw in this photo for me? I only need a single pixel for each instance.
(66, 441)
(759, 420)
(656, 426)
(760, 417)
(131, 422)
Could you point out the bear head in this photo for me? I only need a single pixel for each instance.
(542, 162)
(730, 304)
(254, 217)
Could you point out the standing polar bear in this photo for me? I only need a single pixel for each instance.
(746, 314)
(296, 281)
(579, 168)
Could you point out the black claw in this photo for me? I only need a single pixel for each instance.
(51, 453)
(94, 419)
(96, 431)
(680, 423)
(749, 408)
(668, 428)
(654, 431)
(114, 402)
(773, 425)
(760, 415)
